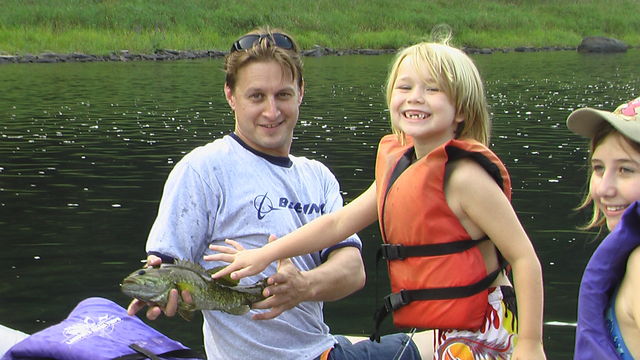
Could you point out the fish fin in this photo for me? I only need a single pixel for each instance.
(184, 285)
(186, 314)
(225, 280)
(242, 309)
(186, 310)
(255, 288)
(190, 265)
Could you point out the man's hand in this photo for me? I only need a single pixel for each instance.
(287, 288)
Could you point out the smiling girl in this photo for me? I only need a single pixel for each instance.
(608, 304)
(442, 199)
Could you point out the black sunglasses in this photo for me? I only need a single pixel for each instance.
(277, 39)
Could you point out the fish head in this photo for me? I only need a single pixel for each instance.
(148, 284)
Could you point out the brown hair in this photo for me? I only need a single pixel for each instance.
(262, 51)
(604, 130)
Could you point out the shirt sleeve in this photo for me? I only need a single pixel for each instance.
(182, 226)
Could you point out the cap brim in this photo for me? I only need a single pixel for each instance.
(585, 121)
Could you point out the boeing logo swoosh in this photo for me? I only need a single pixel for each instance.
(264, 205)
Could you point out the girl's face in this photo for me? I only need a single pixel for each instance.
(615, 177)
(419, 108)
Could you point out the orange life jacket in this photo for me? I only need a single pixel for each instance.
(438, 275)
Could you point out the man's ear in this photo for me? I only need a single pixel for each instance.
(228, 94)
(301, 93)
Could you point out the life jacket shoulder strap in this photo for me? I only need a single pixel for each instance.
(455, 153)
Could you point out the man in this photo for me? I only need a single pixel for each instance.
(246, 186)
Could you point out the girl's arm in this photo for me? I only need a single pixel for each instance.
(318, 234)
(627, 295)
(483, 203)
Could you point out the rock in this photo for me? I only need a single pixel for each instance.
(482, 51)
(316, 51)
(601, 44)
(8, 59)
(525, 49)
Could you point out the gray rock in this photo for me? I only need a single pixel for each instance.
(601, 44)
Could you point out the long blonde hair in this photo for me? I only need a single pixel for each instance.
(458, 77)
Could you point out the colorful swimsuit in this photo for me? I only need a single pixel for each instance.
(614, 329)
(496, 339)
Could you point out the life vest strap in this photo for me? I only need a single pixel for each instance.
(142, 353)
(395, 301)
(399, 252)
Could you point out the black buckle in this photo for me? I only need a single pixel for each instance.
(395, 301)
(393, 252)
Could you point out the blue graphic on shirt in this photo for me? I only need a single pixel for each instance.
(264, 205)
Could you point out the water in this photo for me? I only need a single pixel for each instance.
(85, 150)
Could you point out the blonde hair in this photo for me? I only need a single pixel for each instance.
(289, 60)
(457, 76)
(602, 132)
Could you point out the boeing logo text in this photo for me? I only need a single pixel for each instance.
(264, 205)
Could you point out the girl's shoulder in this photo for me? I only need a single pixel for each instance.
(633, 263)
(466, 171)
(468, 181)
(627, 301)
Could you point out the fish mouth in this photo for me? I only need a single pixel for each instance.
(128, 281)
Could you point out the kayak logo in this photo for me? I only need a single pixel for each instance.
(101, 326)
(264, 205)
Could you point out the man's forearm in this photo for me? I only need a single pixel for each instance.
(341, 275)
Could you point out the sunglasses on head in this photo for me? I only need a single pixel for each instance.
(277, 39)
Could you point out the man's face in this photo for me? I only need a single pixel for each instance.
(266, 102)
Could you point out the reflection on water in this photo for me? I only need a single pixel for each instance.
(85, 150)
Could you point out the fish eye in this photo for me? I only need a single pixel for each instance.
(141, 272)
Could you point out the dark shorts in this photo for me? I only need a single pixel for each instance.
(389, 348)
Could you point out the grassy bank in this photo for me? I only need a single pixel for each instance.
(104, 26)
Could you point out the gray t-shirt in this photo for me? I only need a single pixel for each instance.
(226, 190)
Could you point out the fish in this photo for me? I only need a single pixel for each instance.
(153, 284)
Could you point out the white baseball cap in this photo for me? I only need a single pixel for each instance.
(625, 118)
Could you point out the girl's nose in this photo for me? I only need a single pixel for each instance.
(416, 96)
(606, 186)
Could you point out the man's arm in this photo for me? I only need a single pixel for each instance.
(341, 275)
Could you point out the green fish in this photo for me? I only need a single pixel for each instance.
(152, 284)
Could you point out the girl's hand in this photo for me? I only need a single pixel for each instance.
(242, 263)
(528, 349)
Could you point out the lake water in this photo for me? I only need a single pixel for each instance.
(85, 150)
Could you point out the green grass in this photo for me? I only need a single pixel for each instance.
(104, 26)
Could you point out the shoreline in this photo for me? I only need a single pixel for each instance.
(173, 55)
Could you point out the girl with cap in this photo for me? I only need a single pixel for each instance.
(608, 305)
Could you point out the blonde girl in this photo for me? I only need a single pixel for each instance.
(442, 200)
